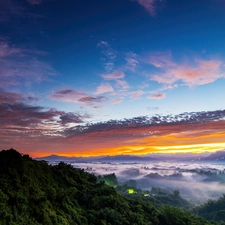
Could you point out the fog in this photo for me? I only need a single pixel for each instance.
(196, 181)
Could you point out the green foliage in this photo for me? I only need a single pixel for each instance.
(212, 209)
(157, 196)
(109, 179)
(166, 197)
(33, 192)
(175, 216)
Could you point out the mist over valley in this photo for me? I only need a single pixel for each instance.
(197, 177)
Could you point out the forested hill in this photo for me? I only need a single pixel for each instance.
(33, 192)
(212, 209)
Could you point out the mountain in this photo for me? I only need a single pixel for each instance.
(126, 158)
(57, 158)
(218, 156)
(121, 158)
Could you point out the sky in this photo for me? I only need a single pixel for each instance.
(96, 77)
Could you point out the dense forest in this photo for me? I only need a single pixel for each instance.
(157, 196)
(212, 209)
(34, 192)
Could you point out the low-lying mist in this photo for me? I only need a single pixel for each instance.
(197, 182)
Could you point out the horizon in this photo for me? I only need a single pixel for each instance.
(151, 155)
(99, 78)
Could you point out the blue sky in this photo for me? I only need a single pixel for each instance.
(71, 65)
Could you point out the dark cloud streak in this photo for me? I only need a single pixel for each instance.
(144, 125)
(71, 118)
(16, 110)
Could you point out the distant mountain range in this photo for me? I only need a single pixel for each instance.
(216, 156)
(57, 158)
(120, 158)
(127, 158)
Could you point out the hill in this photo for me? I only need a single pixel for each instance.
(33, 192)
(213, 209)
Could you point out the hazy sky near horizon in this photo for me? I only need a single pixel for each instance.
(97, 77)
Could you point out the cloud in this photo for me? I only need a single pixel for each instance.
(150, 5)
(21, 65)
(16, 111)
(141, 126)
(20, 118)
(132, 61)
(104, 88)
(89, 99)
(67, 95)
(117, 100)
(161, 60)
(109, 55)
(9, 9)
(141, 135)
(28, 127)
(136, 94)
(71, 118)
(157, 96)
(15, 98)
(34, 2)
(200, 73)
(6, 50)
(122, 84)
(103, 44)
(23, 115)
(35, 128)
(168, 87)
(92, 101)
(117, 74)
